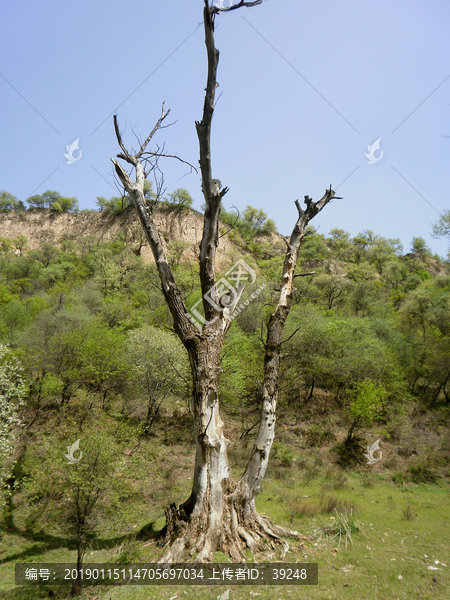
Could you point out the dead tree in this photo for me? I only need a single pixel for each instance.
(220, 513)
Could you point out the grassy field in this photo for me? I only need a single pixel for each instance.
(377, 532)
(372, 540)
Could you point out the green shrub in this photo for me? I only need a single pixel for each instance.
(422, 472)
(350, 452)
(419, 472)
(319, 435)
(284, 454)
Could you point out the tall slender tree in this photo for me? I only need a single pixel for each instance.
(220, 513)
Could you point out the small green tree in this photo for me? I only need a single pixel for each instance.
(419, 246)
(366, 404)
(100, 366)
(416, 310)
(442, 227)
(180, 198)
(314, 246)
(50, 197)
(87, 482)
(258, 221)
(20, 242)
(54, 201)
(36, 201)
(46, 254)
(241, 356)
(332, 287)
(45, 200)
(158, 367)
(5, 245)
(52, 344)
(115, 205)
(10, 202)
(13, 389)
(256, 217)
(177, 249)
(382, 252)
(64, 204)
(339, 241)
(75, 483)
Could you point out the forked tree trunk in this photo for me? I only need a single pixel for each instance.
(220, 513)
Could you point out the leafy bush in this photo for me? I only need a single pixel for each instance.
(252, 222)
(114, 205)
(350, 453)
(366, 404)
(13, 389)
(284, 454)
(314, 247)
(421, 471)
(180, 199)
(54, 201)
(319, 435)
(10, 202)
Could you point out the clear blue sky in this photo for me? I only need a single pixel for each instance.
(305, 88)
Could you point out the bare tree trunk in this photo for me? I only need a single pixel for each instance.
(311, 392)
(350, 431)
(445, 388)
(77, 585)
(219, 514)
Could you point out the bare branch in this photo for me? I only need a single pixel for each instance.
(164, 155)
(300, 210)
(211, 188)
(291, 336)
(285, 240)
(269, 391)
(122, 174)
(136, 136)
(247, 431)
(164, 114)
(183, 326)
(124, 153)
(304, 274)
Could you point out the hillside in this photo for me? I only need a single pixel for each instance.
(89, 353)
(45, 225)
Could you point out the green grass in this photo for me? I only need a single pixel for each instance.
(397, 532)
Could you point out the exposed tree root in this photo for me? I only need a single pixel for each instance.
(197, 538)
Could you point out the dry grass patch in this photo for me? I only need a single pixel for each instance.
(299, 508)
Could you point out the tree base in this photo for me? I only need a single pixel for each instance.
(197, 538)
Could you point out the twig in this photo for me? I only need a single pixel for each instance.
(305, 274)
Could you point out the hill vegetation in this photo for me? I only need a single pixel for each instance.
(89, 354)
